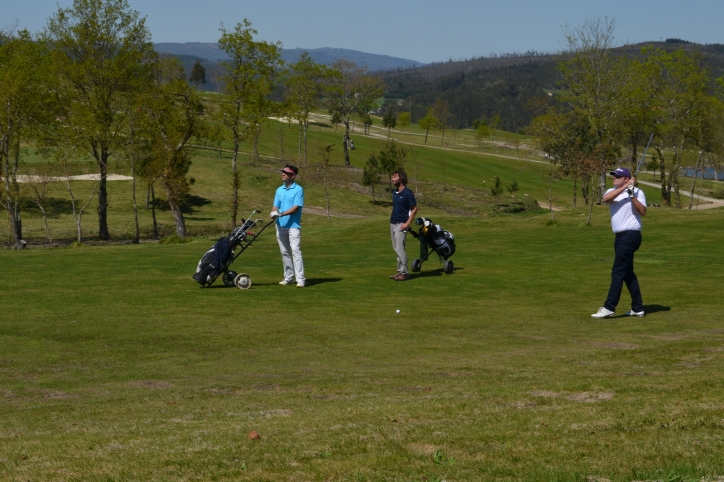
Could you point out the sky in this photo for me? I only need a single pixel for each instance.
(421, 30)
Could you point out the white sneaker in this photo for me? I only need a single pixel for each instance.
(602, 313)
(285, 282)
(640, 314)
(300, 285)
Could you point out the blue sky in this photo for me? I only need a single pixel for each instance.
(422, 30)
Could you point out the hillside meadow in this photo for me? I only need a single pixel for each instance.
(116, 365)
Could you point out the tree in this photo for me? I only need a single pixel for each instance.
(443, 115)
(347, 87)
(404, 119)
(513, 187)
(682, 106)
(429, 122)
(38, 179)
(21, 106)
(392, 158)
(173, 114)
(497, 190)
(198, 74)
(371, 174)
(101, 50)
(597, 90)
(481, 132)
(389, 121)
(248, 69)
(304, 87)
(335, 119)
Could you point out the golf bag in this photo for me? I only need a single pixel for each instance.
(216, 261)
(433, 238)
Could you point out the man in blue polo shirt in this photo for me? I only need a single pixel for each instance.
(404, 208)
(287, 209)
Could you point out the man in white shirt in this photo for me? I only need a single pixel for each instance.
(627, 204)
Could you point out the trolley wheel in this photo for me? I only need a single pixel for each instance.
(448, 267)
(243, 281)
(416, 265)
(228, 278)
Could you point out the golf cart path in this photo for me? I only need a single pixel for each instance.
(710, 202)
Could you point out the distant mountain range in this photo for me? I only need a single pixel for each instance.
(326, 55)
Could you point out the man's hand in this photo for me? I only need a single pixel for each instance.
(274, 214)
(630, 188)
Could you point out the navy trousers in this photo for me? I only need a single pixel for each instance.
(625, 245)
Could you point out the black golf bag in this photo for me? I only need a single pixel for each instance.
(433, 238)
(216, 261)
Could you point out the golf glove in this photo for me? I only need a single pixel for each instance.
(274, 214)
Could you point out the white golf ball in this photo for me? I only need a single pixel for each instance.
(397, 311)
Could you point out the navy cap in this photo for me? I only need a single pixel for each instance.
(621, 172)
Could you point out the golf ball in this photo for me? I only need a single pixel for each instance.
(397, 311)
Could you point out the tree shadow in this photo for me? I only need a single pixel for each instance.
(191, 202)
(54, 206)
(384, 204)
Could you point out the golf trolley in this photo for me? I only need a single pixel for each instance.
(433, 239)
(216, 261)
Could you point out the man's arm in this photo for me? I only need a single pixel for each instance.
(640, 208)
(611, 195)
(413, 211)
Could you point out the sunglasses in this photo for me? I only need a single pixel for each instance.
(617, 177)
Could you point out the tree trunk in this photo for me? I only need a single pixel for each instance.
(575, 189)
(585, 183)
(693, 184)
(665, 199)
(601, 186)
(12, 192)
(45, 221)
(178, 216)
(426, 132)
(153, 212)
(306, 126)
(234, 182)
(103, 196)
(346, 136)
(135, 204)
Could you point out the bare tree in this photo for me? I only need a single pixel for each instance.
(347, 86)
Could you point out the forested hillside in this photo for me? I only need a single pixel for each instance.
(514, 87)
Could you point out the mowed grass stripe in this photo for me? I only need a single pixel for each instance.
(115, 365)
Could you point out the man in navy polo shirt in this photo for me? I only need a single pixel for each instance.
(288, 203)
(627, 204)
(404, 208)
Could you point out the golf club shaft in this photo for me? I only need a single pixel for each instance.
(643, 156)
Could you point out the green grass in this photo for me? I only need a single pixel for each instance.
(115, 365)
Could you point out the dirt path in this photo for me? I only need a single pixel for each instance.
(700, 202)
